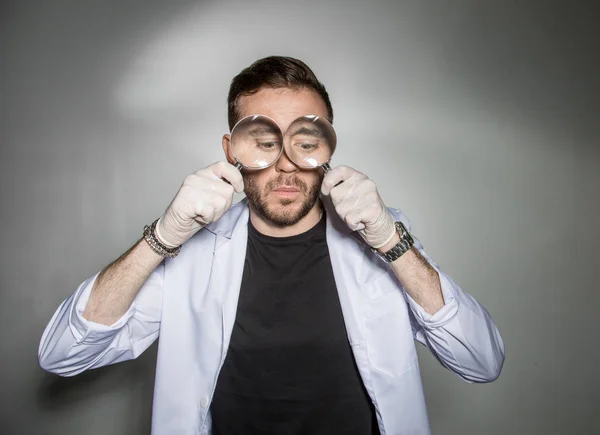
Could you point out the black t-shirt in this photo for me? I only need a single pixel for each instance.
(289, 368)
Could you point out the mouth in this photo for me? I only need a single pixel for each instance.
(286, 191)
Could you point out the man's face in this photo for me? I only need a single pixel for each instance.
(283, 193)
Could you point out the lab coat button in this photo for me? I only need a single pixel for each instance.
(204, 402)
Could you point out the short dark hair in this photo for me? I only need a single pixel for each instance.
(273, 72)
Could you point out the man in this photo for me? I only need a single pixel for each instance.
(278, 315)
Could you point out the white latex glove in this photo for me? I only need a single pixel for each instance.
(203, 198)
(358, 203)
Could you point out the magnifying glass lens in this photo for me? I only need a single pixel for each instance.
(256, 142)
(310, 141)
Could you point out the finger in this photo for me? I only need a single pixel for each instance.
(223, 188)
(342, 209)
(229, 173)
(205, 213)
(354, 220)
(219, 206)
(229, 200)
(337, 175)
(350, 191)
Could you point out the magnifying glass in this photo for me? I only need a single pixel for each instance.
(309, 142)
(257, 142)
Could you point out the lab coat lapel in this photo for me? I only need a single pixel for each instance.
(347, 261)
(228, 265)
(353, 267)
(351, 264)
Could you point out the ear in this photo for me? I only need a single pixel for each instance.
(226, 142)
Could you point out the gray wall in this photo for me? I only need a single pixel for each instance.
(479, 119)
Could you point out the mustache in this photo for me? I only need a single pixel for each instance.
(289, 181)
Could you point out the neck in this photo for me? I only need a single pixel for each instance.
(306, 223)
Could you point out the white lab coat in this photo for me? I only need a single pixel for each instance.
(191, 302)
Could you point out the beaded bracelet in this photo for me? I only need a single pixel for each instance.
(156, 245)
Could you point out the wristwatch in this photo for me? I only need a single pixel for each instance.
(406, 242)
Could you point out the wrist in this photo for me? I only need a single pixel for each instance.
(404, 244)
(156, 245)
(160, 235)
(382, 232)
(391, 243)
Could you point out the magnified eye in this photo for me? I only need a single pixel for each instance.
(307, 146)
(268, 146)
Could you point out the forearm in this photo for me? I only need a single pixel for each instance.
(465, 339)
(118, 284)
(420, 280)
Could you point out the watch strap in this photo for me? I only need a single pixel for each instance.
(156, 244)
(406, 242)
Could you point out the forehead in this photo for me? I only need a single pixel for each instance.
(283, 105)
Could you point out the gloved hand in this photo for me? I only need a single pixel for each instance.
(358, 203)
(203, 198)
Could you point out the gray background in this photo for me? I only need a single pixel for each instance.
(479, 119)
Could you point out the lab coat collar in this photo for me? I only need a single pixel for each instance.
(237, 215)
(342, 241)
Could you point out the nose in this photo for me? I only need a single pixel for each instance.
(284, 164)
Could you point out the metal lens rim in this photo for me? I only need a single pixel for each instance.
(283, 146)
(316, 117)
(231, 135)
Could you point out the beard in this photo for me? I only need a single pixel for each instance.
(282, 214)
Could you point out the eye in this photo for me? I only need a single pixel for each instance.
(268, 145)
(307, 146)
